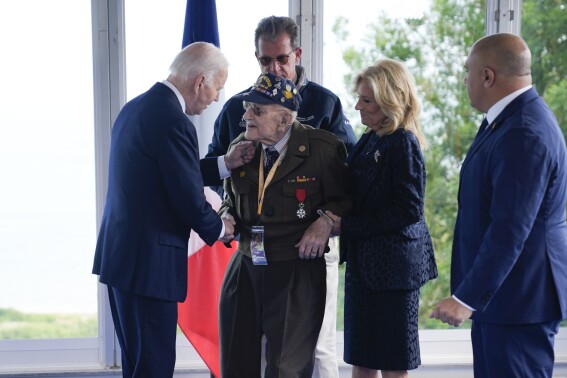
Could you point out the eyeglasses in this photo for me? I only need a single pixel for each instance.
(258, 112)
(255, 108)
(282, 59)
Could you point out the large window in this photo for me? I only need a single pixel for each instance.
(544, 27)
(47, 202)
(433, 39)
(150, 50)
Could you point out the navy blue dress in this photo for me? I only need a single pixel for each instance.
(388, 251)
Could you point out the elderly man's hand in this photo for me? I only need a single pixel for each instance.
(314, 240)
(239, 154)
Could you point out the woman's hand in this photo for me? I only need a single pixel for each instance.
(336, 230)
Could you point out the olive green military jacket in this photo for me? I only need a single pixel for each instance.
(312, 175)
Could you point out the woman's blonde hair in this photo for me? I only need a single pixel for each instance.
(394, 91)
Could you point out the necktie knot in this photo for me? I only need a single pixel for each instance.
(483, 125)
(271, 156)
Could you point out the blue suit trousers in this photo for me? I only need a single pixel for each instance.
(146, 330)
(513, 350)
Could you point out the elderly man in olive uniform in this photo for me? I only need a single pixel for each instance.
(275, 282)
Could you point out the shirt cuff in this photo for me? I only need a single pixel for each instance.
(222, 229)
(223, 171)
(461, 302)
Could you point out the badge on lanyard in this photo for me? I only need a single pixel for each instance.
(300, 194)
(257, 246)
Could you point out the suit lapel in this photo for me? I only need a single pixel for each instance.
(500, 122)
(497, 124)
(359, 147)
(252, 169)
(370, 177)
(477, 143)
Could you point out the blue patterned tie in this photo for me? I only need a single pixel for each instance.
(271, 156)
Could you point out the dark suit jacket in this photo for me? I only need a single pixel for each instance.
(386, 237)
(155, 197)
(510, 244)
(315, 161)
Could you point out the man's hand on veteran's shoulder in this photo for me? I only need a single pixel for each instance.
(239, 154)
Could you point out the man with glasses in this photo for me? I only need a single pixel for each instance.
(278, 52)
(275, 284)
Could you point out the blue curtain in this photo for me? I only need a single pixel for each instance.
(201, 22)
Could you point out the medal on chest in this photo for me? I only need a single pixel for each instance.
(300, 195)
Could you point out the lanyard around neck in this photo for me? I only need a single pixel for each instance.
(263, 185)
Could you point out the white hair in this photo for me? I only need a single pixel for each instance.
(198, 58)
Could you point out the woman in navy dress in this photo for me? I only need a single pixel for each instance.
(385, 241)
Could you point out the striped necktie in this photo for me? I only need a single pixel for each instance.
(271, 156)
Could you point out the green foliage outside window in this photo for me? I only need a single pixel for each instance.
(17, 325)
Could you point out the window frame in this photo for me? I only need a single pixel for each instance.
(439, 347)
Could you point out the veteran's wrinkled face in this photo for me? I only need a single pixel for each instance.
(265, 123)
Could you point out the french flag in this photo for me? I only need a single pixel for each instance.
(198, 315)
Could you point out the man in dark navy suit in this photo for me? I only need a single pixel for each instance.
(509, 264)
(155, 198)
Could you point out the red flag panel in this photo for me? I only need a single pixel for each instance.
(198, 315)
